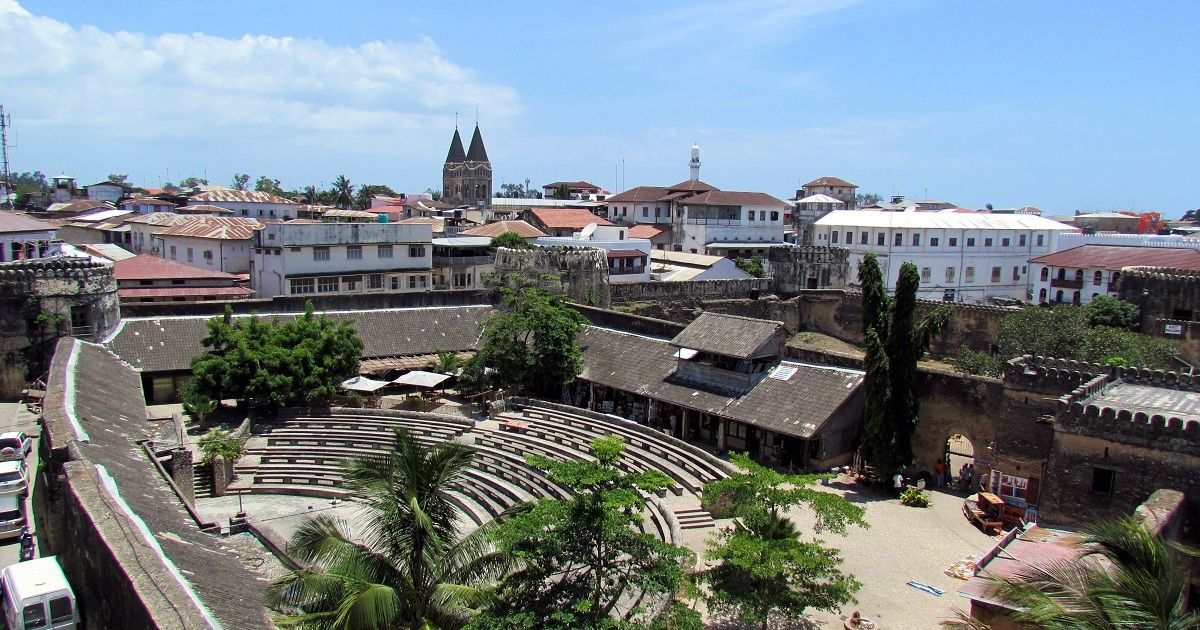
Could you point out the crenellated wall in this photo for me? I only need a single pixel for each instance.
(581, 273)
(800, 267)
(1169, 302)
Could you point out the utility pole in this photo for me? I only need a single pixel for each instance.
(5, 122)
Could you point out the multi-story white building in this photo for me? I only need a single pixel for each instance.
(459, 262)
(247, 203)
(961, 256)
(216, 243)
(1080, 274)
(326, 258)
(22, 237)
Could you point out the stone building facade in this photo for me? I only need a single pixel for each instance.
(802, 267)
(44, 299)
(581, 273)
(467, 175)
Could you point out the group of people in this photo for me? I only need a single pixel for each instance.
(941, 475)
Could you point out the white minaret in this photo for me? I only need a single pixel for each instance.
(695, 163)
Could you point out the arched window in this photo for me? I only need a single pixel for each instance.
(1078, 275)
(1116, 276)
(1058, 296)
(1045, 274)
(1042, 294)
(1095, 295)
(1075, 298)
(1062, 273)
(1097, 277)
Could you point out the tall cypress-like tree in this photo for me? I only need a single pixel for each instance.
(895, 341)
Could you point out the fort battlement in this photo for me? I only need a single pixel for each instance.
(809, 253)
(925, 306)
(1050, 375)
(18, 276)
(1171, 276)
(1086, 410)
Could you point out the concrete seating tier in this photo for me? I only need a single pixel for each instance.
(662, 446)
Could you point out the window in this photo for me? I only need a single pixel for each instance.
(933, 242)
(1097, 277)
(300, 286)
(384, 251)
(1016, 274)
(60, 609)
(1103, 481)
(881, 239)
(995, 274)
(949, 274)
(762, 215)
(354, 252)
(1045, 274)
(953, 241)
(189, 252)
(833, 237)
(208, 255)
(969, 274)
(1021, 240)
(351, 283)
(916, 240)
(774, 215)
(1041, 296)
(1005, 242)
(926, 272)
(750, 215)
(1075, 299)
(416, 251)
(375, 281)
(395, 283)
(1058, 296)
(657, 212)
(422, 282)
(412, 282)
(863, 237)
(34, 615)
(1078, 275)
(987, 242)
(645, 211)
(1062, 273)
(294, 249)
(145, 283)
(327, 285)
(898, 239)
(1041, 239)
(970, 242)
(849, 237)
(320, 253)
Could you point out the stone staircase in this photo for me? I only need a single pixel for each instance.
(202, 481)
(694, 519)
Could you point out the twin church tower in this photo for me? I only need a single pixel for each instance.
(467, 176)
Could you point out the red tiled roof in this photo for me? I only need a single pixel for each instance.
(438, 223)
(830, 181)
(626, 253)
(641, 193)
(145, 292)
(522, 229)
(573, 185)
(14, 222)
(566, 218)
(732, 198)
(224, 228)
(1114, 257)
(693, 185)
(148, 267)
(645, 230)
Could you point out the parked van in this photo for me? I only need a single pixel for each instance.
(12, 515)
(37, 596)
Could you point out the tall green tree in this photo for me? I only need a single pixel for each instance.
(240, 181)
(1127, 577)
(531, 339)
(763, 571)
(511, 240)
(1105, 310)
(362, 200)
(579, 560)
(896, 339)
(192, 182)
(406, 565)
(343, 192)
(268, 185)
(118, 178)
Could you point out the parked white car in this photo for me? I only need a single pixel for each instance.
(14, 445)
(14, 477)
(37, 596)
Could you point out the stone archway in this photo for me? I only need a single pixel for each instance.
(960, 451)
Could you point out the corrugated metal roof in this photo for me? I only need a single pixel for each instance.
(223, 228)
(102, 215)
(237, 196)
(940, 220)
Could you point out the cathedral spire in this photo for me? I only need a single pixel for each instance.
(456, 153)
(476, 153)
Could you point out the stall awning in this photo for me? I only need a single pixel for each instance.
(422, 379)
(363, 384)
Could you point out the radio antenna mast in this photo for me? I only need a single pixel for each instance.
(5, 123)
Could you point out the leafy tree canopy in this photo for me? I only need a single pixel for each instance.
(219, 442)
(362, 200)
(240, 181)
(27, 183)
(1105, 310)
(753, 266)
(511, 240)
(867, 199)
(531, 339)
(268, 185)
(118, 178)
(579, 560)
(343, 192)
(271, 363)
(192, 182)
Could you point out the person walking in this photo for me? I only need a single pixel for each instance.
(939, 473)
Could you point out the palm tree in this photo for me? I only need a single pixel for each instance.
(446, 363)
(310, 195)
(408, 566)
(1126, 578)
(343, 191)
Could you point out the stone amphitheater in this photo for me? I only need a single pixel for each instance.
(302, 451)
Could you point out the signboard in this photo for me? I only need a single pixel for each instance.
(1173, 329)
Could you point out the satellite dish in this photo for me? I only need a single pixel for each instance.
(587, 232)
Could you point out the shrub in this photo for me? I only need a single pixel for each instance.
(913, 497)
(219, 442)
(978, 363)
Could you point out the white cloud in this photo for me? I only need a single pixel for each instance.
(177, 86)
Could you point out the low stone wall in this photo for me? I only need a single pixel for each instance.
(617, 320)
(389, 413)
(295, 304)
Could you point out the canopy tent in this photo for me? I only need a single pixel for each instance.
(421, 378)
(363, 384)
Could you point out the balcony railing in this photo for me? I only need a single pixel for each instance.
(463, 261)
(1066, 284)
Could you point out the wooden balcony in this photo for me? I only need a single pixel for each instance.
(1066, 284)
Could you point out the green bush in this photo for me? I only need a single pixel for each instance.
(978, 363)
(913, 497)
(219, 442)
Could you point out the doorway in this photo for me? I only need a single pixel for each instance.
(959, 452)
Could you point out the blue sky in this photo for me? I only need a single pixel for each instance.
(1063, 105)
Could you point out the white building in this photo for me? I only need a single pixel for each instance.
(325, 258)
(1080, 274)
(459, 262)
(628, 258)
(144, 227)
(215, 243)
(22, 237)
(106, 191)
(248, 203)
(147, 205)
(682, 266)
(961, 256)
